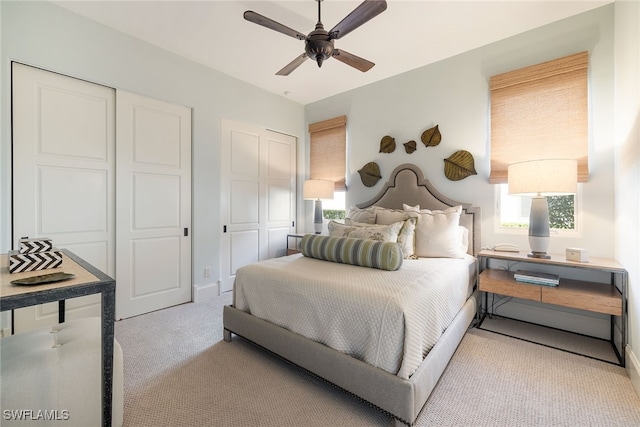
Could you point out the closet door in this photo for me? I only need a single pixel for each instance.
(257, 199)
(153, 199)
(67, 183)
(63, 175)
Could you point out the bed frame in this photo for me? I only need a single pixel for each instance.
(402, 399)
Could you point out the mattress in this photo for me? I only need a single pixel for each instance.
(389, 319)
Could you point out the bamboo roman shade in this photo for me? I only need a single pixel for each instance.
(540, 112)
(328, 152)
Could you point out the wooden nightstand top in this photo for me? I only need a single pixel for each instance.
(602, 264)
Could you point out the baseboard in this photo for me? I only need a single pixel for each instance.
(206, 292)
(633, 369)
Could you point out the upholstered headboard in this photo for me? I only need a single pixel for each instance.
(407, 185)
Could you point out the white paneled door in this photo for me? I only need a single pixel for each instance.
(258, 195)
(153, 199)
(63, 175)
(68, 180)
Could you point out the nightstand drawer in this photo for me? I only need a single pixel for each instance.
(502, 282)
(597, 297)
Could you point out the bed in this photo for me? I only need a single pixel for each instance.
(396, 378)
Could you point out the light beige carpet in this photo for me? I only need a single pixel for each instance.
(178, 372)
(596, 348)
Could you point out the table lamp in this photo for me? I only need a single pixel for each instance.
(318, 189)
(541, 178)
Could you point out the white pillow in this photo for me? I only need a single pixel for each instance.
(438, 233)
(405, 236)
(465, 239)
(365, 216)
(389, 216)
(379, 232)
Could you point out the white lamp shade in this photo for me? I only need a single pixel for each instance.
(316, 189)
(545, 177)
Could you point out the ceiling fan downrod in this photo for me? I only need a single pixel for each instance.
(319, 45)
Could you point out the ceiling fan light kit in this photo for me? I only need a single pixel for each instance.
(319, 44)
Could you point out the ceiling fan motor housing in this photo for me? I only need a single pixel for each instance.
(319, 45)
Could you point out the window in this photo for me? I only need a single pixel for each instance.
(327, 160)
(327, 152)
(335, 209)
(514, 211)
(540, 112)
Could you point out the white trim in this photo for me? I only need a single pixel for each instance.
(206, 292)
(633, 369)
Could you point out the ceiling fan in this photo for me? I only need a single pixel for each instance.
(318, 44)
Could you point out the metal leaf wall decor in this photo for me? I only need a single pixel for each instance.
(431, 137)
(410, 147)
(459, 165)
(387, 144)
(370, 174)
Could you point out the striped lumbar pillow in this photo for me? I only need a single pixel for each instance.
(347, 250)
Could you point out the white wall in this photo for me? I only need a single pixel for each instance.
(47, 36)
(454, 93)
(627, 138)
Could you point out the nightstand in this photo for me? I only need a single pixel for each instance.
(293, 243)
(607, 298)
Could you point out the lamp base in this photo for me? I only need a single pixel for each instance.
(318, 218)
(542, 255)
(539, 228)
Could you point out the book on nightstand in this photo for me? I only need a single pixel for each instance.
(537, 278)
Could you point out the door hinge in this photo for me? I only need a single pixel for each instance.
(186, 232)
(224, 228)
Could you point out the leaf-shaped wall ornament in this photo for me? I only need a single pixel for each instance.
(387, 144)
(370, 174)
(410, 147)
(431, 137)
(459, 165)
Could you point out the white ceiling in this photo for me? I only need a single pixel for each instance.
(408, 35)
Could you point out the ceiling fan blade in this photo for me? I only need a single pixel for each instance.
(364, 12)
(292, 65)
(256, 18)
(353, 60)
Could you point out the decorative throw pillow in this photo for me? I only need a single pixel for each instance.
(366, 215)
(465, 239)
(409, 208)
(389, 216)
(438, 233)
(382, 233)
(346, 250)
(405, 236)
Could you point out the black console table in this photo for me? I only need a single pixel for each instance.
(88, 280)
